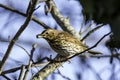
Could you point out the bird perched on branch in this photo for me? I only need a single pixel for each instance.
(64, 43)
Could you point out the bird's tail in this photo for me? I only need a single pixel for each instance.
(94, 52)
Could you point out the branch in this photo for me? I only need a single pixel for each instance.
(21, 72)
(23, 14)
(94, 71)
(43, 64)
(66, 78)
(26, 66)
(15, 38)
(30, 61)
(11, 70)
(90, 32)
(17, 45)
(27, 70)
(48, 69)
(6, 77)
(61, 20)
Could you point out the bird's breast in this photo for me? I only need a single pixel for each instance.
(65, 48)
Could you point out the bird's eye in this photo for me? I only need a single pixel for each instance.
(46, 32)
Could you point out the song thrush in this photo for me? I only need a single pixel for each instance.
(63, 43)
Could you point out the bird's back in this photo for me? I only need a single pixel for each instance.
(66, 44)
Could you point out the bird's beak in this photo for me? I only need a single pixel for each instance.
(39, 36)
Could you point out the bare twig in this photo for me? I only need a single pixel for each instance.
(102, 56)
(90, 32)
(23, 14)
(22, 72)
(17, 45)
(88, 28)
(67, 78)
(30, 61)
(11, 70)
(18, 68)
(32, 50)
(23, 49)
(27, 70)
(6, 77)
(15, 38)
(93, 70)
(82, 25)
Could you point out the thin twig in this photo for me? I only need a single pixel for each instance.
(32, 50)
(90, 32)
(23, 14)
(102, 56)
(82, 25)
(93, 70)
(88, 28)
(11, 70)
(67, 78)
(18, 68)
(22, 48)
(27, 70)
(30, 61)
(15, 38)
(21, 72)
(18, 46)
(6, 77)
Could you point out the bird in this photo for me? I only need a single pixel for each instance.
(64, 43)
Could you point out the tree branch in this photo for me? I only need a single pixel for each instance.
(90, 32)
(23, 14)
(30, 61)
(48, 69)
(42, 64)
(21, 72)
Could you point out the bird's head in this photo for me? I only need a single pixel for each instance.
(48, 34)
